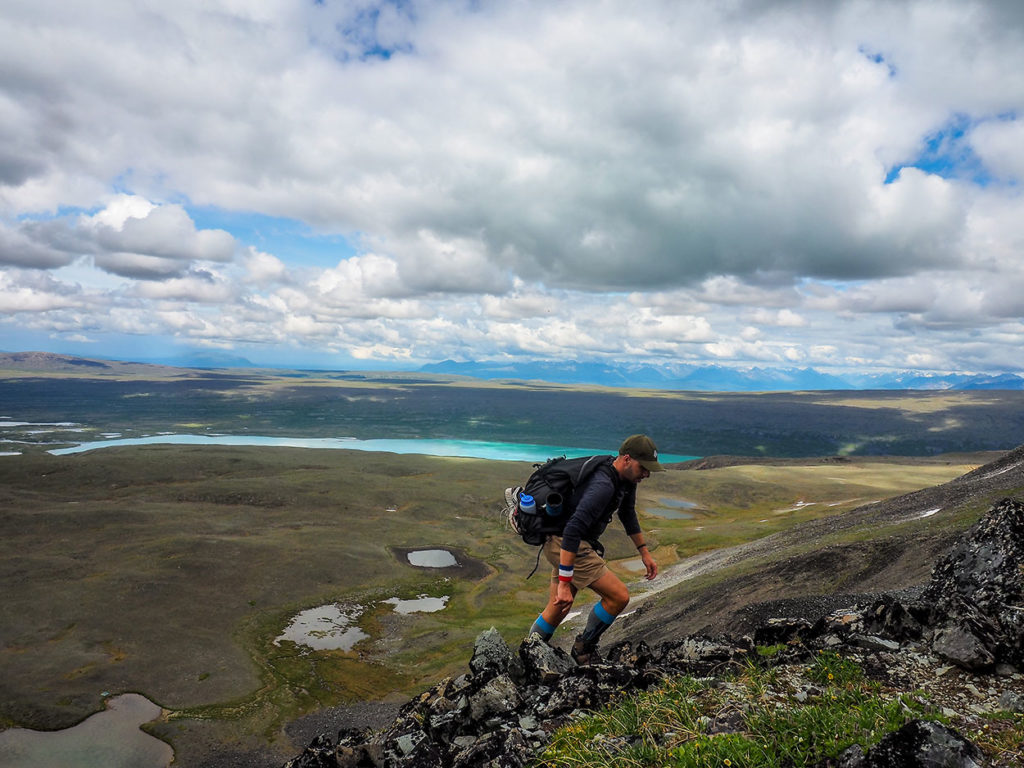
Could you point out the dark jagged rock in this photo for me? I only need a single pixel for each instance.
(976, 594)
(890, 618)
(966, 641)
(499, 697)
(701, 655)
(492, 656)
(542, 663)
(631, 654)
(921, 744)
(781, 631)
(1012, 701)
(970, 613)
(496, 750)
(319, 754)
(500, 714)
(918, 744)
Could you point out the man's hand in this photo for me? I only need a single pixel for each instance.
(649, 564)
(564, 595)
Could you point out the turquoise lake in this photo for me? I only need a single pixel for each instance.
(470, 449)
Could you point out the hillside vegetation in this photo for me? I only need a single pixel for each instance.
(170, 570)
(922, 676)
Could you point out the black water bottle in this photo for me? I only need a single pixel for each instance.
(554, 504)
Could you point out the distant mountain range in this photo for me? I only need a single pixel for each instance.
(716, 378)
(693, 378)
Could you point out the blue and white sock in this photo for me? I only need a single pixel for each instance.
(597, 623)
(542, 628)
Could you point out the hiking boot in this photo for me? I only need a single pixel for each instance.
(511, 507)
(584, 653)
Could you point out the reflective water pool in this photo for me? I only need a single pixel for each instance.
(333, 627)
(421, 604)
(325, 628)
(432, 558)
(672, 509)
(108, 739)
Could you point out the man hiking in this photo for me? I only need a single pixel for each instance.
(577, 555)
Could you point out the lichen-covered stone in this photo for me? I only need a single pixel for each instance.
(492, 656)
(542, 663)
(923, 744)
(498, 697)
(978, 586)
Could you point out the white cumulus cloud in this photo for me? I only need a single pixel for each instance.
(744, 182)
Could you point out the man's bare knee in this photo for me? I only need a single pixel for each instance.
(618, 603)
(613, 592)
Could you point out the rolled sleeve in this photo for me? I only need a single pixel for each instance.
(627, 512)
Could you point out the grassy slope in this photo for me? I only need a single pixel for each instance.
(169, 570)
(801, 571)
(881, 545)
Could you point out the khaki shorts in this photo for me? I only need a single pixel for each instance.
(589, 565)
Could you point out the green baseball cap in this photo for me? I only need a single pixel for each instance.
(643, 449)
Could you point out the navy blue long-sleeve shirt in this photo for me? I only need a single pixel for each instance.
(596, 500)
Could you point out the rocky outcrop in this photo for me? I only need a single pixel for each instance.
(503, 710)
(971, 613)
(975, 601)
(498, 714)
(961, 639)
(918, 743)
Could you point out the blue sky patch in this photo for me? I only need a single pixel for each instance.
(947, 152)
(362, 32)
(287, 239)
(876, 57)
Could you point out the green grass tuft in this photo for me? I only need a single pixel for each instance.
(757, 718)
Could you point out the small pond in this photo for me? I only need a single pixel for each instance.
(325, 628)
(432, 558)
(108, 739)
(672, 509)
(449, 562)
(333, 627)
(422, 604)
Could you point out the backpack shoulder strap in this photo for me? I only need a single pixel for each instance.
(591, 465)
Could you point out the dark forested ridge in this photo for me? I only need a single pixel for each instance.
(315, 404)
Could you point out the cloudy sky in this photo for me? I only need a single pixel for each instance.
(383, 184)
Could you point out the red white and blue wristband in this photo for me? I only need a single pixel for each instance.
(565, 572)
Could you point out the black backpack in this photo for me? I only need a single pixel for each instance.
(554, 482)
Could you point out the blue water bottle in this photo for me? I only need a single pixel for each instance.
(526, 504)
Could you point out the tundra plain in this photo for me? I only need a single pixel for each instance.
(171, 570)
